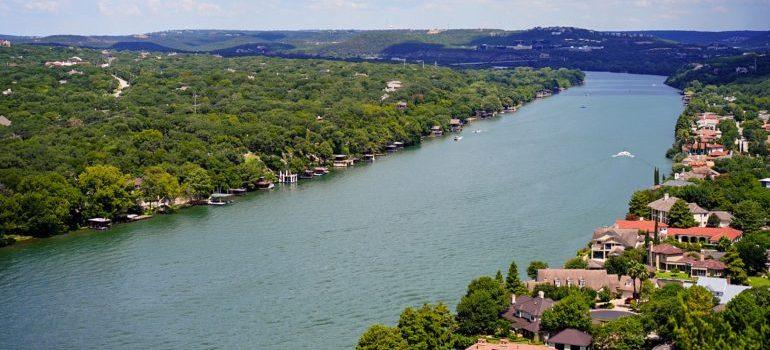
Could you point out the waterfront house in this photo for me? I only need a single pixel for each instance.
(341, 161)
(542, 93)
(571, 339)
(99, 223)
(320, 171)
(642, 225)
(219, 199)
(455, 125)
(593, 279)
(369, 157)
(264, 184)
(704, 235)
(525, 312)
(391, 148)
(610, 241)
(661, 207)
(504, 344)
(721, 288)
(287, 177)
(764, 182)
(436, 130)
(307, 174)
(237, 191)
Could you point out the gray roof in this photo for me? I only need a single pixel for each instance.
(664, 204)
(627, 236)
(722, 215)
(4, 121)
(721, 289)
(571, 336)
(677, 183)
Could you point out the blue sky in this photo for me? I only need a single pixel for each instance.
(44, 17)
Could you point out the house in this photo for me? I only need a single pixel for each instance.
(401, 106)
(5, 43)
(570, 339)
(436, 130)
(4, 121)
(524, 314)
(707, 121)
(99, 223)
(704, 235)
(721, 288)
(661, 207)
(676, 183)
(699, 172)
(455, 125)
(610, 241)
(342, 160)
(764, 182)
(665, 257)
(504, 344)
(542, 93)
(725, 218)
(593, 279)
(393, 86)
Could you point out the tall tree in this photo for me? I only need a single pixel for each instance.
(748, 216)
(638, 204)
(625, 333)
(680, 215)
(735, 267)
(108, 191)
(513, 282)
(637, 271)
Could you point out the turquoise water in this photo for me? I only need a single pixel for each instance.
(312, 265)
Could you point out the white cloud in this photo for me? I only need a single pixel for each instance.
(42, 5)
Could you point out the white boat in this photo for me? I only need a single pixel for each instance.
(477, 131)
(458, 138)
(625, 154)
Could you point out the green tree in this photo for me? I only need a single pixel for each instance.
(748, 216)
(638, 204)
(107, 191)
(428, 328)
(381, 337)
(512, 281)
(713, 221)
(680, 215)
(479, 309)
(196, 182)
(534, 266)
(576, 264)
(626, 333)
(752, 249)
(617, 265)
(158, 185)
(570, 312)
(637, 271)
(735, 267)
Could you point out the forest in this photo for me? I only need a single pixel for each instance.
(74, 146)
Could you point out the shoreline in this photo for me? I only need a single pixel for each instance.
(188, 203)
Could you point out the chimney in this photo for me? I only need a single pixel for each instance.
(702, 257)
(513, 299)
(541, 294)
(665, 196)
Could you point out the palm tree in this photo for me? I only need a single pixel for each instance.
(637, 271)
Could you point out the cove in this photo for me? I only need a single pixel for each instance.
(312, 265)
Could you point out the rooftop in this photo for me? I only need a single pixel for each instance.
(722, 290)
(640, 225)
(712, 233)
(571, 336)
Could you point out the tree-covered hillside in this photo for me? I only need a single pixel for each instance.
(188, 124)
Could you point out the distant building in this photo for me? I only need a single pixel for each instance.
(5, 43)
(4, 121)
(704, 235)
(765, 182)
(665, 257)
(593, 279)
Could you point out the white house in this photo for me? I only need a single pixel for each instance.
(765, 182)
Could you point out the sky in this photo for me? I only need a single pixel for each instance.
(111, 17)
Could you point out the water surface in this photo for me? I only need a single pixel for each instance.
(312, 265)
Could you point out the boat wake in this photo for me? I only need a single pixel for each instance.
(623, 154)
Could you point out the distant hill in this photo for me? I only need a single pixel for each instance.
(654, 52)
(723, 70)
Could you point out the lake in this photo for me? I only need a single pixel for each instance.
(314, 264)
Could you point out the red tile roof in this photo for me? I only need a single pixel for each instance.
(712, 233)
(642, 225)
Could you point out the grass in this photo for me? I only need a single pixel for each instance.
(759, 281)
(674, 275)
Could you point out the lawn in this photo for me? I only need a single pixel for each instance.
(759, 282)
(673, 275)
